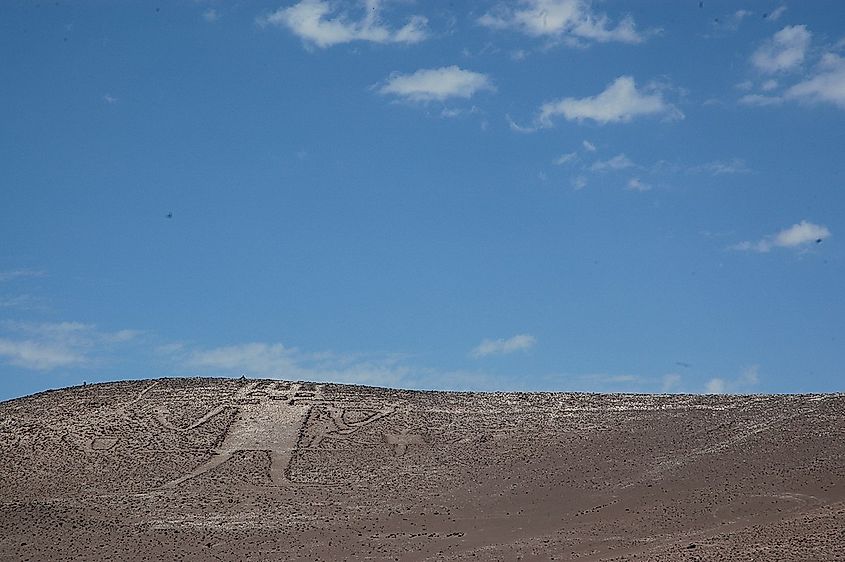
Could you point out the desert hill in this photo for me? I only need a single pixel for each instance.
(224, 469)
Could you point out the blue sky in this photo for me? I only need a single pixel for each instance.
(528, 195)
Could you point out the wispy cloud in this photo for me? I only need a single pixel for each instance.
(211, 15)
(784, 51)
(276, 360)
(775, 14)
(436, 84)
(572, 21)
(22, 302)
(798, 235)
(746, 382)
(46, 346)
(565, 158)
(318, 23)
(670, 382)
(39, 356)
(588, 146)
(635, 184)
(13, 274)
(618, 162)
(769, 85)
(715, 385)
(520, 342)
(722, 167)
(760, 100)
(620, 102)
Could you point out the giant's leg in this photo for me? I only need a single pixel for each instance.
(219, 458)
(279, 461)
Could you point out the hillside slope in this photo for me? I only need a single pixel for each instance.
(221, 469)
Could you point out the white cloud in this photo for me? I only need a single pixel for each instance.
(565, 158)
(13, 274)
(22, 302)
(312, 21)
(516, 127)
(744, 383)
(634, 184)
(800, 234)
(211, 15)
(275, 360)
(438, 84)
(769, 85)
(520, 342)
(797, 235)
(670, 382)
(51, 345)
(722, 167)
(618, 162)
(579, 182)
(36, 355)
(826, 85)
(259, 358)
(620, 102)
(740, 15)
(716, 386)
(749, 377)
(776, 14)
(784, 51)
(571, 20)
(588, 146)
(730, 23)
(760, 100)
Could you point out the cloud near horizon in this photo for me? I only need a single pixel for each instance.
(275, 360)
(436, 84)
(519, 342)
(746, 382)
(50, 345)
(312, 21)
(572, 21)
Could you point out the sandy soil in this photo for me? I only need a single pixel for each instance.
(216, 469)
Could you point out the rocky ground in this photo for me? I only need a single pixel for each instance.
(217, 469)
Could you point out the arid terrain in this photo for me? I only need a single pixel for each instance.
(224, 469)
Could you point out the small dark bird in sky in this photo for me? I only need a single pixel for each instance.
(169, 215)
(818, 240)
(701, 4)
(682, 364)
